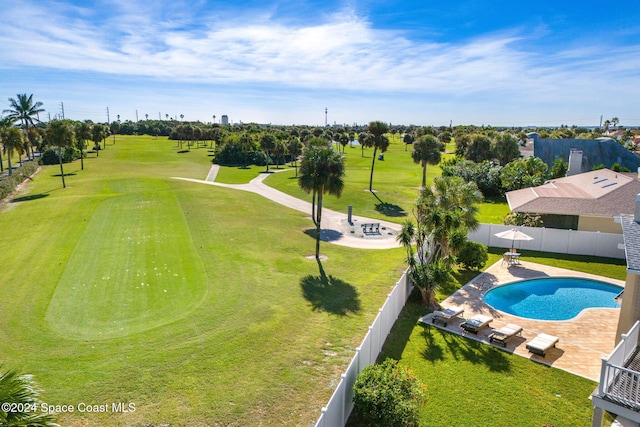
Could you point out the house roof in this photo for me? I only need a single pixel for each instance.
(631, 233)
(601, 192)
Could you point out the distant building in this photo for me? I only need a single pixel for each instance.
(601, 151)
(224, 120)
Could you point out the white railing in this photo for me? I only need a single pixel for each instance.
(617, 383)
(337, 411)
(608, 245)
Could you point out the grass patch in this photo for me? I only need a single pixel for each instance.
(464, 378)
(253, 334)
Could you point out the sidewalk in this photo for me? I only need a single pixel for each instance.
(335, 228)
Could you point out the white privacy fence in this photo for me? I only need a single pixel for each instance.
(553, 240)
(340, 405)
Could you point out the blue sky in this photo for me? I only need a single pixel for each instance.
(503, 63)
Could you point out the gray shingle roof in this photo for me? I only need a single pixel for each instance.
(631, 233)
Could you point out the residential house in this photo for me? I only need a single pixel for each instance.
(587, 202)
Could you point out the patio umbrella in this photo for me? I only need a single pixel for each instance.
(513, 235)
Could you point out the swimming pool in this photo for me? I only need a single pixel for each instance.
(552, 298)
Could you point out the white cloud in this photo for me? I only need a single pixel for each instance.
(344, 52)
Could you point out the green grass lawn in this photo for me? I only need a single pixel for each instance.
(194, 302)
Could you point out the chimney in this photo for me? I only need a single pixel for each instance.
(575, 162)
(636, 215)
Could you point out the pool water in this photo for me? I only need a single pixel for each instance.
(558, 298)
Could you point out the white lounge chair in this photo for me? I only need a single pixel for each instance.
(541, 343)
(502, 335)
(476, 323)
(443, 317)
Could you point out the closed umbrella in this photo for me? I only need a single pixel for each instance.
(513, 235)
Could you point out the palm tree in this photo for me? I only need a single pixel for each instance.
(83, 134)
(60, 133)
(267, 144)
(426, 151)
(24, 110)
(98, 134)
(294, 147)
(321, 171)
(450, 204)
(23, 392)
(378, 141)
(445, 212)
(12, 142)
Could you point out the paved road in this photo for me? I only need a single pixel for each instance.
(334, 224)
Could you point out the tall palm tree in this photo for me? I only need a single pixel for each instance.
(22, 391)
(294, 147)
(60, 133)
(378, 141)
(321, 171)
(426, 151)
(83, 134)
(445, 212)
(23, 109)
(267, 144)
(12, 142)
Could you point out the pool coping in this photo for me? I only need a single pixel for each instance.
(584, 339)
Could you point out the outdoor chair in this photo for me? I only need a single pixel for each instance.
(443, 317)
(476, 323)
(541, 343)
(502, 335)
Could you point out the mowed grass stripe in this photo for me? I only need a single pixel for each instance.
(133, 268)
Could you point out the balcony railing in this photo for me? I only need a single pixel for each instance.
(620, 377)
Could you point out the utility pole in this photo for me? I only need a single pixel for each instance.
(159, 116)
(136, 116)
(62, 108)
(108, 120)
(325, 116)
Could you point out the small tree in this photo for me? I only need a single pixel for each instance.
(386, 394)
(558, 169)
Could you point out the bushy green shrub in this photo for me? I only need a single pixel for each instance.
(50, 155)
(486, 175)
(473, 255)
(526, 219)
(233, 153)
(386, 394)
(8, 183)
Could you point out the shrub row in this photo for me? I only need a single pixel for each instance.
(8, 183)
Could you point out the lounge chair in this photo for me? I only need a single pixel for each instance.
(502, 335)
(476, 323)
(443, 317)
(541, 343)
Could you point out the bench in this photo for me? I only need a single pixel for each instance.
(373, 227)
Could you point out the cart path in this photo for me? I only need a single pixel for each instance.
(334, 227)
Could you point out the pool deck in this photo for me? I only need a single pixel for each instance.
(584, 340)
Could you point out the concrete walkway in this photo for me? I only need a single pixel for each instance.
(335, 228)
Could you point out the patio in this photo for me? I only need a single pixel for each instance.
(584, 340)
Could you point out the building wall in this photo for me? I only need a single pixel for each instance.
(598, 223)
(594, 152)
(630, 307)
